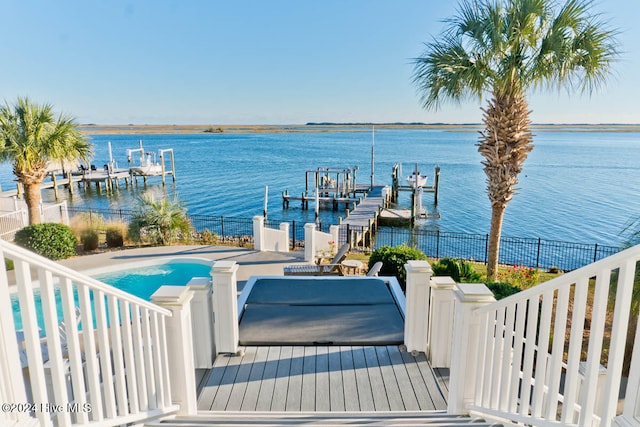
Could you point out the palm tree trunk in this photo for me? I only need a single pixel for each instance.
(497, 215)
(32, 199)
(504, 144)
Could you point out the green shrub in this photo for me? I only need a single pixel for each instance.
(159, 222)
(459, 270)
(51, 240)
(8, 264)
(393, 261)
(90, 239)
(502, 290)
(209, 238)
(114, 237)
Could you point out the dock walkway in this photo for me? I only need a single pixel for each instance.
(360, 221)
(321, 378)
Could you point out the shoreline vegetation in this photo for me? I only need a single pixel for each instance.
(95, 129)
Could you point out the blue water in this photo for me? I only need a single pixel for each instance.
(575, 186)
(141, 282)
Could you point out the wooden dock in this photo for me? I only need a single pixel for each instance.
(321, 378)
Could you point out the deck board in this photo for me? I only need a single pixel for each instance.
(322, 378)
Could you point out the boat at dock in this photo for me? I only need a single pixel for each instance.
(416, 180)
(148, 166)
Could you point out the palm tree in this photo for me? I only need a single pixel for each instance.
(162, 221)
(502, 49)
(31, 136)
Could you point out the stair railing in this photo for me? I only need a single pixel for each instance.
(107, 367)
(540, 353)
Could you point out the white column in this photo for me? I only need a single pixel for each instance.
(202, 322)
(179, 346)
(284, 227)
(467, 330)
(334, 230)
(225, 306)
(416, 323)
(309, 242)
(258, 233)
(441, 321)
(631, 411)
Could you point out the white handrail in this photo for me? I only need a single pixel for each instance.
(112, 371)
(534, 339)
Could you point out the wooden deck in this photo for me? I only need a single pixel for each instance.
(320, 378)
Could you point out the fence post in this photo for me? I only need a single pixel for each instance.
(441, 321)
(222, 227)
(309, 242)
(202, 322)
(437, 243)
(416, 325)
(284, 227)
(595, 253)
(225, 306)
(468, 330)
(258, 233)
(179, 346)
(538, 255)
(293, 234)
(486, 248)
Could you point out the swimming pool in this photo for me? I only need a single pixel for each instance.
(141, 279)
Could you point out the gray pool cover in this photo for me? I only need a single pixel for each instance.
(342, 311)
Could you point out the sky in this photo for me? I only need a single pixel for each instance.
(261, 62)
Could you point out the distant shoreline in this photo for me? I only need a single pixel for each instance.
(94, 129)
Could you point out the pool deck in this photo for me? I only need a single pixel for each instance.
(251, 263)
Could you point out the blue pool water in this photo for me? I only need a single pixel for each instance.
(141, 282)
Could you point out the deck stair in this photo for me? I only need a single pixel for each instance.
(317, 419)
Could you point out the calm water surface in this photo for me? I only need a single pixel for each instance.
(576, 186)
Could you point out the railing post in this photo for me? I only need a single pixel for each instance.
(258, 233)
(309, 242)
(177, 299)
(441, 321)
(631, 411)
(467, 332)
(334, 230)
(284, 227)
(225, 306)
(416, 324)
(202, 322)
(12, 386)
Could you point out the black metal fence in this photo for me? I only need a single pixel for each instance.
(529, 252)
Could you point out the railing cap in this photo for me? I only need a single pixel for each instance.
(418, 266)
(224, 267)
(172, 295)
(199, 283)
(474, 292)
(442, 282)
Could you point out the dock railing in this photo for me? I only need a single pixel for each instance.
(85, 352)
(554, 354)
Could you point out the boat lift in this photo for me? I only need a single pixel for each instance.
(149, 166)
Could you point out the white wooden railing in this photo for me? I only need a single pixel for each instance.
(108, 368)
(319, 244)
(539, 352)
(11, 222)
(268, 239)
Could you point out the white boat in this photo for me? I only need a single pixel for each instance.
(148, 166)
(416, 180)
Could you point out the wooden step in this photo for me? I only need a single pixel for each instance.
(320, 419)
